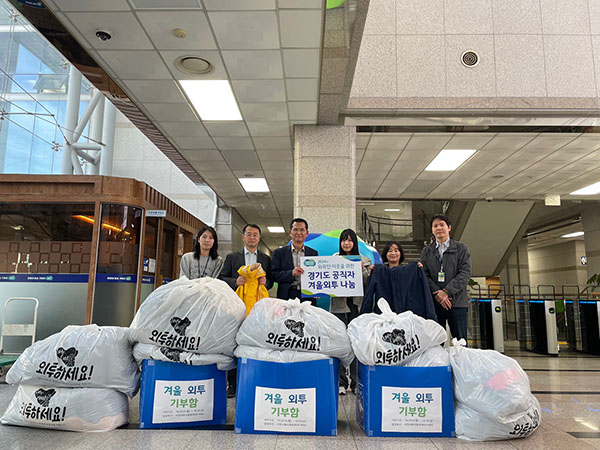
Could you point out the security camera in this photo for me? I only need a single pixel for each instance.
(103, 35)
(488, 199)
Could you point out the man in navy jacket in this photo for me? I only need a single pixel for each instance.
(285, 263)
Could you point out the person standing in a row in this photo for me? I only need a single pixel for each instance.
(285, 264)
(204, 261)
(447, 267)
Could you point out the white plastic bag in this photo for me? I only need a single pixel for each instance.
(73, 409)
(488, 381)
(147, 351)
(197, 316)
(80, 356)
(392, 339)
(283, 356)
(474, 426)
(291, 325)
(432, 357)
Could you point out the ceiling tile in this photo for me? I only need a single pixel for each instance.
(242, 160)
(183, 129)
(136, 65)
(375, 155)
(469, 141)
(382, 141)
(296, 4)
(226, 129)
(253, 64)
(235, 5)
(234, 143)
(202, 155)
(245, 30)
(300, 28)
(155, 91)
(160, 4)
(219, 72)
(126, 31)
(281, 128)
(194, 143)
(362, 140)
(302, 89)
(275, 155)
(79, 5)
(248, 91)
(262, 112)
(303, 110)
(160, 24)
(212, 167)
(169, 111)
(272, 143)
(277, 165)
(301, 63)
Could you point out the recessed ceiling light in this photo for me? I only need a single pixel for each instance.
(449, 160)
(392, 209)
(575, 234)
(254, 184)
(592, 189)
(212, 99)
(276, 229)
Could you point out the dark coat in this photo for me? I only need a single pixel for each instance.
(282, 266)
(235, 260)
(457, 270)
(404, 287)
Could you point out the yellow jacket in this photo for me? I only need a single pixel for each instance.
(251, 291)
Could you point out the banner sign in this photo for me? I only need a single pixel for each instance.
(183, 401)
(115, 278)
(44, 277)
(411, 410)
(334, 276)
(285, 410)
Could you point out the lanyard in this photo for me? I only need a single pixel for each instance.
(205, 267)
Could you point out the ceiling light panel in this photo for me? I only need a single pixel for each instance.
(592, 189)
(449, 160)
(254, 184)
(572, 235)
(212, 99)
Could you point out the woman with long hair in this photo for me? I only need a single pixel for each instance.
(346, 308)
(204, 261)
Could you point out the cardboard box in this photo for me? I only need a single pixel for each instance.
(287, 398)
(176, 395)
(405, 401)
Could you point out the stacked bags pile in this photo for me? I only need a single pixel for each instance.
(189, 321)
(76, 380)
(290, 331)
(493, 397)
(390, 339)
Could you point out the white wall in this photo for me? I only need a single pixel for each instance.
(557, 265)
(135, 156)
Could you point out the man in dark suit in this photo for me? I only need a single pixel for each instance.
(285, 265)
(245, 257)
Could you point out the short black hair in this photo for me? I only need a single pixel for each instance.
(298, 219)
(386, 249)
(251, 225)
(213, 253)
(443, 217)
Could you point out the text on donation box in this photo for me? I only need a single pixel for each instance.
(411, 410)
(291, 410)
(337, 276)
(183, 401)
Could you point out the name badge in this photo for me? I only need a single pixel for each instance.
(441, 277)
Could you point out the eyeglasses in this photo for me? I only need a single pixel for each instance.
(252, 234)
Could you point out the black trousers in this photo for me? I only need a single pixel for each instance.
(347, 318)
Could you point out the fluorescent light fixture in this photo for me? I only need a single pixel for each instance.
(592, 189)
(276, 229)
(254, 184)
(575, 234)
(212, 99)
(449, 160)
(392, 209)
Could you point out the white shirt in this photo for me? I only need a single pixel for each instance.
(250, 257)
(442, 247)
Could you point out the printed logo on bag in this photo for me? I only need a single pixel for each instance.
(532, 421)
(397, 337)
(67, 356)
(32, 411)
(173, 355)
(180, 325)
(295, 327)
(43, 396)
(67, 371)
(405, 349)
(299, 341)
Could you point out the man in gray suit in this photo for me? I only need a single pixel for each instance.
(245, 257)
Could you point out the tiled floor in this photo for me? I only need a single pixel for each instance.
(568, 388)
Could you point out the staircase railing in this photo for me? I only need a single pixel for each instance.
(371, 225)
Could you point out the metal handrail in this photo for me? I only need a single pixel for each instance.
(367, 229)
